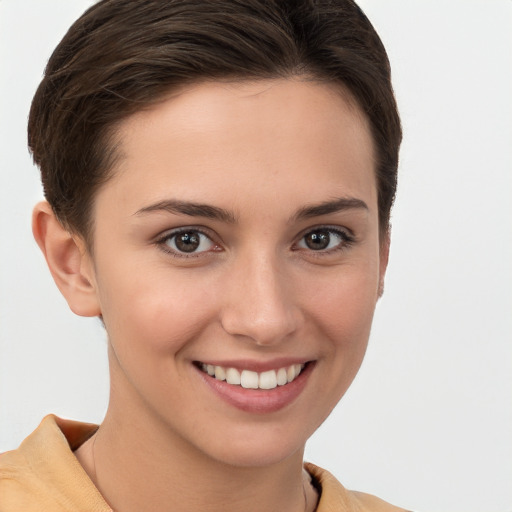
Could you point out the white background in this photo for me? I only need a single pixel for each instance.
(428, 422)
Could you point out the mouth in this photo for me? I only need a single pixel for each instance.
(249, 379)
(259, 392)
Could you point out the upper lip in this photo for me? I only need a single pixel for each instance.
(256, 366)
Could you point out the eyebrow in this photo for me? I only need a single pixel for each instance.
(327, 207)
(214, 212)
(191, 209)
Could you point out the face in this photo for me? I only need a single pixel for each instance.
(239, 240)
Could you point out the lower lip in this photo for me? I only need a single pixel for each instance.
(260, 401)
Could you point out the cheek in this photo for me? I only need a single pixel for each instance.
(154, 312)
(343, 307)
(343, 312)
(340, 311)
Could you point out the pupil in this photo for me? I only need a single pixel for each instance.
(318, 240)
(187, 242)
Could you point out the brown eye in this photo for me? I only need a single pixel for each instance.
(187, 242)
(324, 239)
(190, 241)
(318, 240)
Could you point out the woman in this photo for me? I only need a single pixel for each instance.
(219, 178)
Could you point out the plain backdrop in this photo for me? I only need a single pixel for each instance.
(428, 422)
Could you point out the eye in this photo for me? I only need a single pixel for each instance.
(187, 241)
(325, 239)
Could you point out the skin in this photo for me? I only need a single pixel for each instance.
(262, 152)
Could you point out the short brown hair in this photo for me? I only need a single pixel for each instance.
(121, 56)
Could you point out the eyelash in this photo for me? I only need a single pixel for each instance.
(346, 240)
(163, 242)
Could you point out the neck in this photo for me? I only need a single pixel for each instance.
(160, 471)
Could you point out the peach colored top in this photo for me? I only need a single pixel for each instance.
(43, 475)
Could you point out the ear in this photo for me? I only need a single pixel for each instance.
(383, 260)
(68, 260)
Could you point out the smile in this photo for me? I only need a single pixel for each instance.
(248, 379)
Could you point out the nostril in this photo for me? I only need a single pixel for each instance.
(260, 301)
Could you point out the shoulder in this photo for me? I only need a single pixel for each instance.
(335, 498)
(371, 503)
(43, 473)
(20, 485)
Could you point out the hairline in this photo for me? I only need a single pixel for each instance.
(111, 141)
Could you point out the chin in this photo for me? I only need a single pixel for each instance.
(254, 455)
(259, 444)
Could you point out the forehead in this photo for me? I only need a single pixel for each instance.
(212, 106)
(246, 138)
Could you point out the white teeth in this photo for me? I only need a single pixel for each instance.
(268, 380)
(249, 380)
(253, 380)
(282, 378)
(220, 373)
(233, 376)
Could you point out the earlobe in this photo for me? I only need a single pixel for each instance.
(68, 260)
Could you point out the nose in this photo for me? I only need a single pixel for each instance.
(260, 304)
